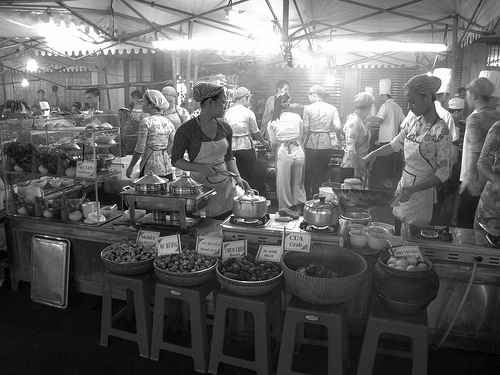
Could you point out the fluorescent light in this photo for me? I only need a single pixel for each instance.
(344, 45)
(25, 82)
(32, 65)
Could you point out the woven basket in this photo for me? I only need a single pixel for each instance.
(128, 268)
(249, 288)
(186, 278)
(349, 265)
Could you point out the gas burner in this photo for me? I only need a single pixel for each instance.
(249, 222)
(493, 240)
(314, 228)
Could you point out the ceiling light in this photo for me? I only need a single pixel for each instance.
(32, 65)
(25, 82)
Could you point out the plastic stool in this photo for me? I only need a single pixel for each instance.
(138, 305)
(383, 321)
(260, 307)
(195, 296)
(333, 317)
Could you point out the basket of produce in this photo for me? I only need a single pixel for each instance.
(324, 277)
(128, 258)
(185, 269)
(248, 277)
(105, 137)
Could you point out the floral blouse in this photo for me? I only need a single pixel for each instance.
(357, 138)
(435, 145)
(489, 204)
(155, 142)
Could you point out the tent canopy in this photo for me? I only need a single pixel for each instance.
(304, 29)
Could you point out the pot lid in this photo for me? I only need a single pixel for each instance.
(185, 182)
(150, 179)
(318, 201)
(250, 196)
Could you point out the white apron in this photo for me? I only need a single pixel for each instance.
(418, 209)
(213, 152)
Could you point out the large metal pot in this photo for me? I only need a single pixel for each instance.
(150, 184)
(320, 212)
(185, 185)
(250, 205)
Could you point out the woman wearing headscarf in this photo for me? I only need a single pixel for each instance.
(208, 142)
(426, 142)
(175, 113)
(155, 138)
(285, 133)
(357, 135)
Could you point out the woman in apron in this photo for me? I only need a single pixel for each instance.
(426, 142)
(207, 141)
(320, 120)
(155, 139)
(357, 136)
(285, 133)
(242, 121)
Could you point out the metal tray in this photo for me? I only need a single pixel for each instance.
(50, 270)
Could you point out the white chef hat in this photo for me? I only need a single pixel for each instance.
(385, 86)
(456, 103)
(369, 90)
(445, 75)
(494, 77)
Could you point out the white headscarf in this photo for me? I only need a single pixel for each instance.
(157, 98)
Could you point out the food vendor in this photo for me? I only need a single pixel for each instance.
(208, 142)
(93, 99)
(426, 142)
(175, 113)
(155, 139)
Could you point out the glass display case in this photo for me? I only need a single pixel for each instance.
(50, 165)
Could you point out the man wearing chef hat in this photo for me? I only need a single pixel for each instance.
(389, 116)
(479, 92)
(442, 96)
(494, 77)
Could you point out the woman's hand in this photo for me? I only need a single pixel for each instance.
(368, 160)
(129, 171)
(242, 183)
(208, 170)
(405, 193)
(267, 145)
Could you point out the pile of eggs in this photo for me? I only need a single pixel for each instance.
(410, 264)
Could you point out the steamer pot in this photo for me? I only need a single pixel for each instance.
(320, 213)
(150, 184)
(250, 205)
(185, 185)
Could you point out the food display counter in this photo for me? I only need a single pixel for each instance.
(477, 326)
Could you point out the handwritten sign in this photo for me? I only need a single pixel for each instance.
(407, 251)
(169, 244)
(269, 253)
(209, 246)
(86, 169)
(296, 241)
(148, 239)
(234, 249)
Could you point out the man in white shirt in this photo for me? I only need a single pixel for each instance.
(389, 116)
(281, 87)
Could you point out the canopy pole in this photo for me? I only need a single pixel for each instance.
(454, 53)
(188, 66)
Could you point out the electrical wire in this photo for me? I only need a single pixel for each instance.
(462, 302)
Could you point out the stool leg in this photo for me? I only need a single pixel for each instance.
(335, 348)
(106, 312)
(368, 350)
(198, 313)
(262, 351)
(287, 347)
(143, 319)
(217, 347)
(158, 319)
(420, 353)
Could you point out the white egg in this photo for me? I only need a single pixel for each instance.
(412, 261)
(422, 266)
(392, 260)
(392, 265)
(402, 262)
(400, 268)
(412, 268)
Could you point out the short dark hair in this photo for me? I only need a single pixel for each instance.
(461, 89)
(136, 94)
(281, 83)
(55, 88)
(40, 91)
(94, 91)
(78, 105)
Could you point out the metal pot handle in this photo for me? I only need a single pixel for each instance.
(127, 188)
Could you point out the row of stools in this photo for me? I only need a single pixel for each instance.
(268, 325)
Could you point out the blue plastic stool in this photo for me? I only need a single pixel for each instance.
(333, 317)
(381, 321)
(195, 297)
(260, 307)
(138, 305)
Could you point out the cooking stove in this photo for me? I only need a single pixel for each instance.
(260, 222)
(271, 232)
(329, 229)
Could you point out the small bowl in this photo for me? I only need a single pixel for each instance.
(390, 228)
(39, 183)
(55, 183)
(377, 241)
(92, 218)
(356, 227)
(108, 211)
(358, 238)
(375, 229)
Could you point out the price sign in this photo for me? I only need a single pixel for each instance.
(169, 245)
(269, 253)
(209, 246)
(234, 249)
(86, 169)
(407, 251)
(296, 241)
(148, 239)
